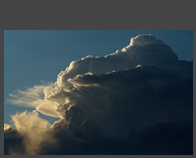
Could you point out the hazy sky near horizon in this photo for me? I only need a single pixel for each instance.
(32, 57)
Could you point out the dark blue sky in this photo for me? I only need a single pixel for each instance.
(32, 56)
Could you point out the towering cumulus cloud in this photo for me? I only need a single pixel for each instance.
(138, 100)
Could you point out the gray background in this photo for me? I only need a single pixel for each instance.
(94, 15)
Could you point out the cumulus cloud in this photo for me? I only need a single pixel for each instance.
(138, 100)
(29, 130)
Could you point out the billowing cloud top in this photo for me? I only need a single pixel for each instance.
(119, 99)
(143, 49)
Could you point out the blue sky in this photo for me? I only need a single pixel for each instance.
(33, 56)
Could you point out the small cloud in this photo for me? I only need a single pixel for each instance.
(138, 66)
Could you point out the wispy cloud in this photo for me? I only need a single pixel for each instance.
(28, 98)
(34, 97)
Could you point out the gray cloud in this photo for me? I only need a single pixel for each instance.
(138, 100)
